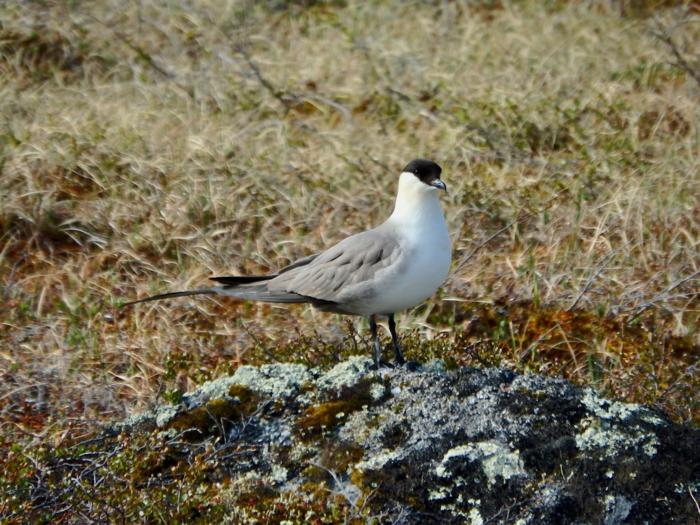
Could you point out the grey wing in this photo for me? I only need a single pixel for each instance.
(238, 280)
(344, 272)
(299, 262)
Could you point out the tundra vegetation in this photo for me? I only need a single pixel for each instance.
(146, 146)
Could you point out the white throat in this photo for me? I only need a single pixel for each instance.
(416, 203)
(425, 252)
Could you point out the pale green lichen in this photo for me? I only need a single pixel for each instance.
(165, 414)
(276, 381)
(278, 474)
(439, 494)
(601, 431)
(158, 417)
(617, 508)
(607, 409)
(434, 366)
(613, 441)
(692, 488)
(472, 517)
(142, 419)
(475, 517)
(496, 460)
(346, 374)
(377, 391)
(379, 460)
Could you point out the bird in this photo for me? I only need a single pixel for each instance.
(375, 273)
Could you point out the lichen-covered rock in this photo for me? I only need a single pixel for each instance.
(278, 381)
(345, 374)
(436, 446)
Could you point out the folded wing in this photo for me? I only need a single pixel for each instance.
(343, 273)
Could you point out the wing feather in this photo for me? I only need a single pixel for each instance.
(344, 271)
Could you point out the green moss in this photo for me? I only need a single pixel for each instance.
(326, 416)
(248, 400)
(312, 502)
(339, 456)
(122, 479)
(209, 417)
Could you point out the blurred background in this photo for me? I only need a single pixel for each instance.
(145, 146)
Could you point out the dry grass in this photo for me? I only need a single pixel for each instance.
(145, 148)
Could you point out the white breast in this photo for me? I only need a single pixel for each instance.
(426, 251)
(426, 258)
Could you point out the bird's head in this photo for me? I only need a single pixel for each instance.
(420, 178)
(418, 190)
(423, 175)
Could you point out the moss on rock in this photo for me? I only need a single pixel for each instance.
(351, 444)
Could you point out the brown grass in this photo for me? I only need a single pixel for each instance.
(144, 149)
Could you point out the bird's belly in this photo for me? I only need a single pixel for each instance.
(423, 275)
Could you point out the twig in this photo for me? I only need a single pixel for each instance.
(681, 63)
(590, 280)
(484, 243)
(690, 491)
(287, 100)
(146, 57)
(258, 343)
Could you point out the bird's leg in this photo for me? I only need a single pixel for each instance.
(377, 342)
(395, 340)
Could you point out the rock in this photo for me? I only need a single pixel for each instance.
(435, 446)
(345, 374)
(277, 381)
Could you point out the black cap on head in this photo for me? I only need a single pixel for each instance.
(426, 170)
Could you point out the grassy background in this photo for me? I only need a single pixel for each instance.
(145, 146)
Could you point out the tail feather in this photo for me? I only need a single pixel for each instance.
(247, 292)
(260, 292)
(242, 279)
(246, 287)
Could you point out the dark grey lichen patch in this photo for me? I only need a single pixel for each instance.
(437, 446)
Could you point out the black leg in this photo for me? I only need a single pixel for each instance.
(395, 340)
(377, 342)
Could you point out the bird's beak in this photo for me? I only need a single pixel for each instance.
(437, 183)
